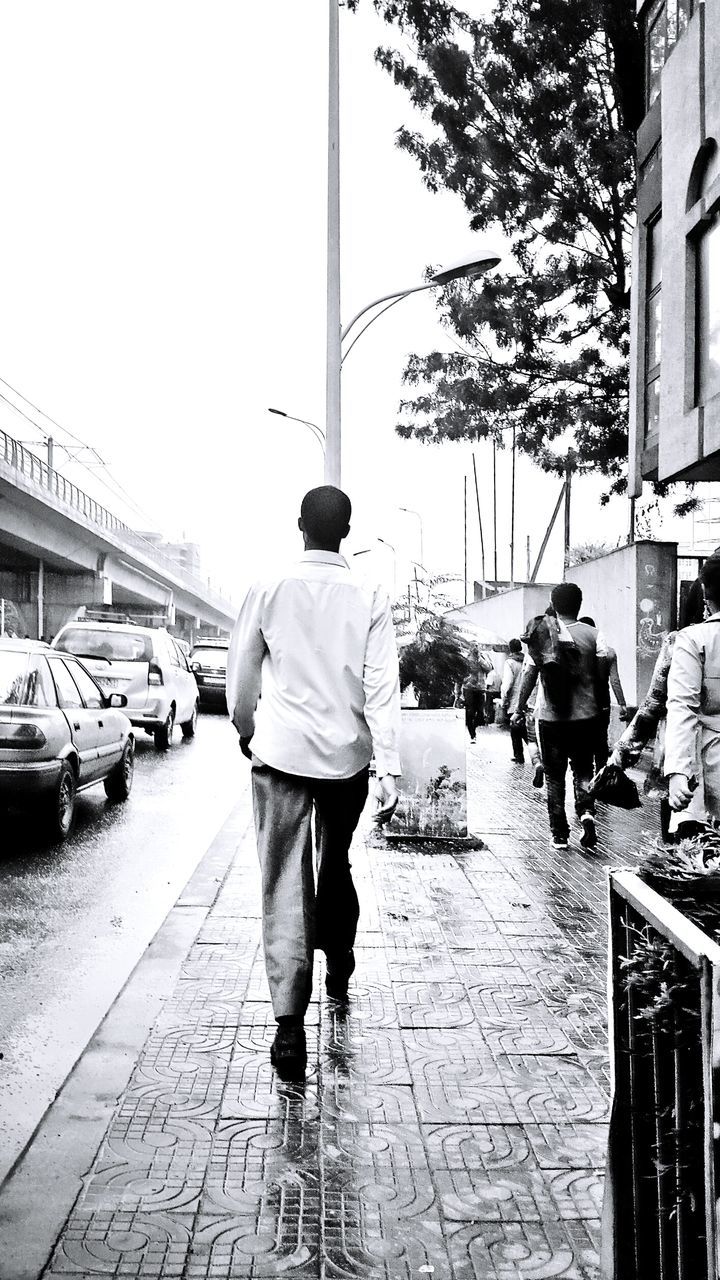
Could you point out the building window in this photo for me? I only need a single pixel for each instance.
(653, 329)
(707, 280)
(665, 23)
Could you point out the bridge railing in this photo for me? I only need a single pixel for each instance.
(38, 472)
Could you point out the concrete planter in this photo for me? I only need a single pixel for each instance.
(660, 1217)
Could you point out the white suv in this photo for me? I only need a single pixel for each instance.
(144, 663)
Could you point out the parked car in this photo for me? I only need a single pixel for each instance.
(146, 665)
(59, 733)
(208, 661)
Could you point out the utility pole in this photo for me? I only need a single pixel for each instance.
(512, 513)
(482, 539)
(495, 511)
(569, 468)
(527, 558)
(465, 534)
(50, 460)
(332, 393)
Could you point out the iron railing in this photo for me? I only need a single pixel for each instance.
(665, 1035)
(37, 472)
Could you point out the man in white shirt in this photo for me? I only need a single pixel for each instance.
(321, 650)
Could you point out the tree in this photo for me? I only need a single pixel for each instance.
(531, 117)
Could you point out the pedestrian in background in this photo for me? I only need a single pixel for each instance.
(509, 693)
(473, 692)
(692, 744)
(312, 687)
(608, 677)
(650, 722)
(567, 715)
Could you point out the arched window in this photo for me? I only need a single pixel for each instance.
(704, 217)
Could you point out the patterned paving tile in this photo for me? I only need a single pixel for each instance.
(453, 1118)
(524, 1251)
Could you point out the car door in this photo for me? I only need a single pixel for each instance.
(111, 738)
(83, 723)
(187, 686)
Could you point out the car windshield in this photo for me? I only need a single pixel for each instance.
(210, 658)
(115, 646)
(24, 680)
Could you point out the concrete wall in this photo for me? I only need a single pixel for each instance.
(631, 593)
(506, 614)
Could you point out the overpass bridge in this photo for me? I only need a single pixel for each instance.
(60, 549)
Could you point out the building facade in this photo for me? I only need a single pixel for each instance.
(675, 327)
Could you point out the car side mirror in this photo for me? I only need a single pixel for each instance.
(117, 700)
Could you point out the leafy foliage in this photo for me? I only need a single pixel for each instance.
(435, 662)
(531, 116)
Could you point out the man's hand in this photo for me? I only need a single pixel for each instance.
(517, 718)
(386, 794)
(680, 791)
(245, 747)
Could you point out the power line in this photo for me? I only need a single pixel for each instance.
(118, 491)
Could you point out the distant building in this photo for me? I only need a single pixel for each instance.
(185, 554)
(675, 327)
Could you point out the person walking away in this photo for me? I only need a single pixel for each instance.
(509, 692)
(567, 717)
(473, 692)
(692, 742)
(312, 687)
(608, 677)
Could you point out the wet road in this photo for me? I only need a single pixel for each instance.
(75, 918)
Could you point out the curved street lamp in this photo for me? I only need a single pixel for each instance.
(482, 260)
(317, 431)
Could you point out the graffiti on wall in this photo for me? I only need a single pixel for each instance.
(655, 607)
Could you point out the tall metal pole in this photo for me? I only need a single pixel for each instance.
(527, 557)
(495, 510)
(482, 539)
(512, 512)
(41, 600)
(334, 356)
(569, 467)
(465, 533)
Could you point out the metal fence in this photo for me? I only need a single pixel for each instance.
(32, 468)
(664, 1031)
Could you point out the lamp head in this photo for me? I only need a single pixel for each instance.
(468, 268)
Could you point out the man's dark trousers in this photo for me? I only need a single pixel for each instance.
(474, 710)
(297, 916)
(563, 742)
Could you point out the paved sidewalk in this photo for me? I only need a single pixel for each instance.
(452, 1122)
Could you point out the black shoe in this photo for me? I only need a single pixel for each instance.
(288, 1053)
(538, 776)
(338, 976)
(588, 839)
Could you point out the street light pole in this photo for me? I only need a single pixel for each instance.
(317, 431)
(334, 353)
(410, 512)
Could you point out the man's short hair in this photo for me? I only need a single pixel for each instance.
(710, 578)
(567, 598)
(325, 513)
(589, 622)
(514, 646)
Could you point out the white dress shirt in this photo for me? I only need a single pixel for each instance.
(693, 701)
(312, 674)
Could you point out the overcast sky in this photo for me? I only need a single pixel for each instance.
(163, 280)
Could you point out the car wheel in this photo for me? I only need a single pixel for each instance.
(163, 735)
(189, 727)
(118, 784)
(61, 812)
